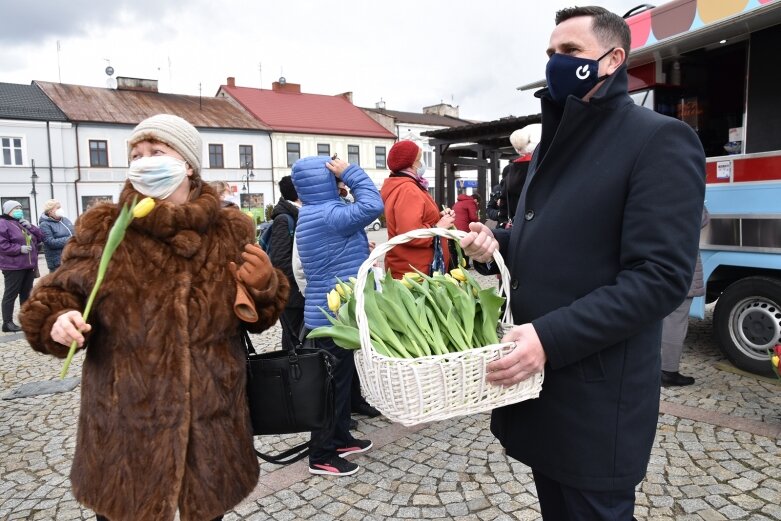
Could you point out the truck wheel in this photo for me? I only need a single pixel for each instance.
(747, 320)
(376, 227)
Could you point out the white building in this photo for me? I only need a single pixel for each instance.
(236, 147)
(35, 137)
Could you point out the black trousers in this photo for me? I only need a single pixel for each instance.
(295, 320)
(325, 442)
(560, 502)
(18, 283)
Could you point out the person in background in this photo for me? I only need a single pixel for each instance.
(164, 422)
(332, 243)
(57, 231)
(602, 249)
(496, 207)
(465, 210)
(504, 201)
(19, 243)
(223, 189)
(408, 206)
(281, 257)
(676, 325)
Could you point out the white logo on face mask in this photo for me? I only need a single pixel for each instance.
(582, 72)
(157, 176)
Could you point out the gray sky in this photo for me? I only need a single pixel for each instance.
(409, 53)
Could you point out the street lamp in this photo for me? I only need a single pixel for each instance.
(33, 193)
(246, 178)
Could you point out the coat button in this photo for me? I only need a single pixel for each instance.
(529, 215)
(514, 284)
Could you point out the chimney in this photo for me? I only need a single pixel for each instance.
(231, 81)
(443, 109)
(380, 105)
(283, 86)
(137, 84)
(347, 95)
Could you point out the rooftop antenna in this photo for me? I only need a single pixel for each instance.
(200, 107)
(260, 72)
(170, 77)
(59, 71)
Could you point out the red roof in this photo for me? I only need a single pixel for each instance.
(307, 113)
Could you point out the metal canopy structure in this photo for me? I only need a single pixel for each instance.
(478, 146)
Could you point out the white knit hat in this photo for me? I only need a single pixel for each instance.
(174, 132)
(525, 140)
(10, 205)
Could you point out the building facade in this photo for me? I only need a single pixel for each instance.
(305, 124)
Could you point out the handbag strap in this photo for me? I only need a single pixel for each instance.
(287, 457)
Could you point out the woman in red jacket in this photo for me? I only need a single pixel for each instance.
(408, 206)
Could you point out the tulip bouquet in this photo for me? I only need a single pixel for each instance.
(115, 236)
(416, 316)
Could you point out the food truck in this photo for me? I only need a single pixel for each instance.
(716, 64)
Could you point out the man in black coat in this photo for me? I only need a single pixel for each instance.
(602, 249)
(281, 256)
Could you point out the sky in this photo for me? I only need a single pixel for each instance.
(410, 54)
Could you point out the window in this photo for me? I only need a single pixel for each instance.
(353, 156)
(12, 151)
(323, 149)
(88, 201)
(428, 157)
(98, 153)
(379, 157)
(293, 153)
(24, 201)
(245, 156)
(215, 157)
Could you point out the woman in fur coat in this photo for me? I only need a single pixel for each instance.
(164, 423)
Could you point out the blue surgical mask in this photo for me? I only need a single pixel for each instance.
(17, 214)
(572, 76)
(157, 176)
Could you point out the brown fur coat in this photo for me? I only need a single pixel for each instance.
(164, 422)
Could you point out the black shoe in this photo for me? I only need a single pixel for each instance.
(10, 327)
(674, 378)
(354, 447)
(335, 466)
(365, 409)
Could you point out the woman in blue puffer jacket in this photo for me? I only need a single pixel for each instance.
(332, 243)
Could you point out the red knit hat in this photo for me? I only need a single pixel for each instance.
(402, 155)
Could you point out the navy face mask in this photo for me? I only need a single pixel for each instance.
(569, 75)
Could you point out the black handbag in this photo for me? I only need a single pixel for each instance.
(289, 391)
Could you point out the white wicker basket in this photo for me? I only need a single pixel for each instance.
(417, 390)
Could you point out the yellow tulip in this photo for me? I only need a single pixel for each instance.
(406, 283)
(334, 300)
(413, 276)
(340, 290)
(458, 274)
(774, 360)
(143, 207)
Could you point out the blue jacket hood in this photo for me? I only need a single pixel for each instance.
(313, 181)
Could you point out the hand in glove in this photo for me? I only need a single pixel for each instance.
(256, 271)
(25, 249)
(24, 222)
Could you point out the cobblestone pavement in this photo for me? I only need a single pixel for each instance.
(716, 455)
